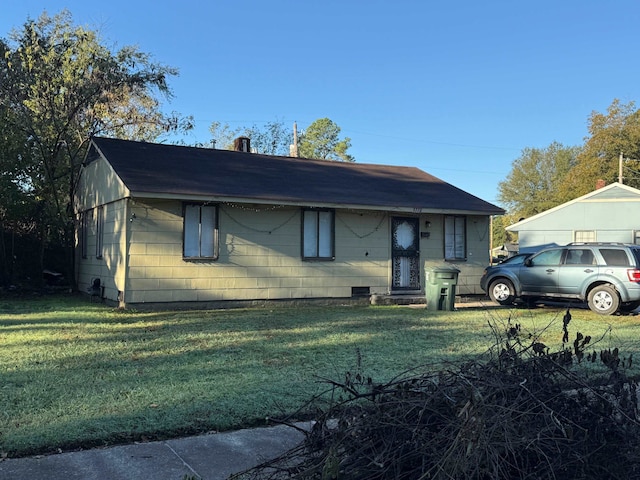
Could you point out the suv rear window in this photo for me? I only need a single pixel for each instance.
(614, 257)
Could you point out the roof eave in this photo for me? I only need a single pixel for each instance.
(303, 203)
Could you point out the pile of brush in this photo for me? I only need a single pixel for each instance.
(523, 413)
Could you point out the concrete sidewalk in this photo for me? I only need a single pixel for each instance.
(208, 457)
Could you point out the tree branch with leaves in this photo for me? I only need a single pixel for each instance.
(59, 85)
(321, 140)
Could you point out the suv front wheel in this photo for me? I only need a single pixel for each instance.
(502, 291)
(604, 299)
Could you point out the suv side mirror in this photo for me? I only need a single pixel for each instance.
(528, 262)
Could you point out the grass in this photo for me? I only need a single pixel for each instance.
(77, 375)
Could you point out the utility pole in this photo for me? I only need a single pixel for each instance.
(621, 159)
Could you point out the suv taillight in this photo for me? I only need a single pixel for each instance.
(633, 274)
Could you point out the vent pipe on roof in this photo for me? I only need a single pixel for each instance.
(242, 144)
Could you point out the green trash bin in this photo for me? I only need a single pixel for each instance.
(441, 287)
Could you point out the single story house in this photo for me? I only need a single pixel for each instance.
(178, 225)
(608, 214)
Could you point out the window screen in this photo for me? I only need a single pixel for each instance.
(317, 234)
(200, 231)
(454, 238)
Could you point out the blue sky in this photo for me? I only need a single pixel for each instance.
(455, 88)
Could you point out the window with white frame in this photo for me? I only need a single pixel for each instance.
(584, 236)
(455, 237)
(318, 235)
(200, 231)
(99, 231)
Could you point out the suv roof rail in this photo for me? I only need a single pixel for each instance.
(595, 243)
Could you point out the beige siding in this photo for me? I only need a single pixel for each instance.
(110, 267)
(99, 185)
(260, 256)
(432, 251)
(478, 255)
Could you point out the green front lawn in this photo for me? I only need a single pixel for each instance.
(77, 375)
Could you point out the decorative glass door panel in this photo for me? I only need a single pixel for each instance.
(405, 256)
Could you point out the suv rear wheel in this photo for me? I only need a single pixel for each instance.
(502, 291)
(604, 299)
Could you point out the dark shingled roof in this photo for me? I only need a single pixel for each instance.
(150, 168)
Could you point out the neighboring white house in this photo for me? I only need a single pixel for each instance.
(173, 224)
(608, 214)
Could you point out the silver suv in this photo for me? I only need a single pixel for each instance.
(605, 275)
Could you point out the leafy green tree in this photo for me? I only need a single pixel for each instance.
(499, 234)
(532, 185)
(18, 209)
(59, 85)
(610, 134)
(222, 135)
(270, 139)
(321, 140)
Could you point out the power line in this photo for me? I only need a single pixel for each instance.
(621, 160)
(434, 142)
(379, 135)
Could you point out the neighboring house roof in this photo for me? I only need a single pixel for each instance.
(612, 192)
(507, 247)
(159, 170)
